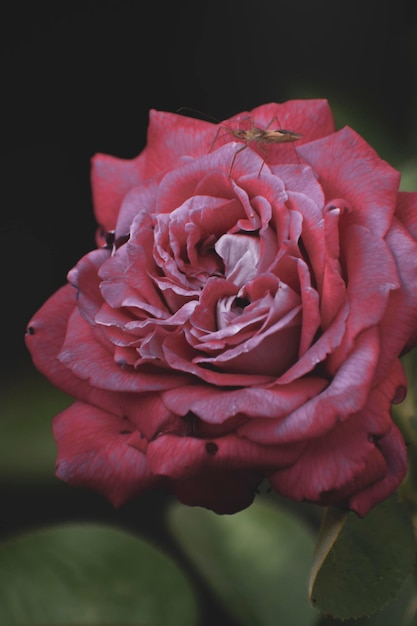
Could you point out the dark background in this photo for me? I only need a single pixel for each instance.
(80, 78)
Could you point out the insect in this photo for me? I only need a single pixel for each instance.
(254, 135)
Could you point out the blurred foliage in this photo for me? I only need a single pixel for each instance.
(400, 612)
(408, 171)
(27, 407)
(256, 562)
(91, 575)
(361, 564)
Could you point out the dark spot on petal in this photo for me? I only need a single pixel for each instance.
(125, 432)
(212, 448)
(30, 330)
(374, 439)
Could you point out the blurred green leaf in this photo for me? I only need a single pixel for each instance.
(256, 562)
(409, 175)
(397, 613)
(361, 564)
(90, 575)
(27, 448)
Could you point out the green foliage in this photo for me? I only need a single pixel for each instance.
(256, 562)
(360, 565)
(90, 575)
(397, 613)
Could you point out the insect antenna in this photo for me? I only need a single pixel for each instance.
(199, 113)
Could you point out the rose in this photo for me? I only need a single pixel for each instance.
(238, 323)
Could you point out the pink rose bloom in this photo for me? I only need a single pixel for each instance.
(237, 324)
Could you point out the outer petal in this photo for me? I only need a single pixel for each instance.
(346, 394)
(84, 277)
(349, 168)
(220, 491)
(111, 179)
(357, 464)
(399, 326)
(371, 278)
(44, 339)
(172, 136)
(311, 118)
(221, 474)
(94, 451)
(393, 451)
(214, 405)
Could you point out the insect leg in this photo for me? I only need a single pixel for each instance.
(265, 153)
(234, 157)
(274, 119)
(228, 131)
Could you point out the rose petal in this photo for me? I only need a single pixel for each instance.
(399, 322)
(311, 118)
(111, 179)
(94, 451)
(84, 354)
(371, 276)
(357, 464)
(348, 167)
(84, 277)
(215, 405)
(333, 290)
(45, 336)
(197, 468)
(346, 394)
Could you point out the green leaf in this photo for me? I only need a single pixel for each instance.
(256, 562)
(361, 564)
(90, 575)
(397, 613)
